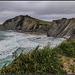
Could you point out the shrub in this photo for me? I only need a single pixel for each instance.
(42, 61)
(67, 48)
(72, 67)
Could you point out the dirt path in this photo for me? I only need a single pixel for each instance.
(69, 64)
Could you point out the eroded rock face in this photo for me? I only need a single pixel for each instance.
(22, 23)
(71, 38)
(63, 27)
(2, 27)
(19, 23)
(58, 28)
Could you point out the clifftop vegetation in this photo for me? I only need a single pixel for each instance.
(42, 22)
(44, 61)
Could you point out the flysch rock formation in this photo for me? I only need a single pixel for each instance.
(71, 38)
(23, 23)
(62, 27)
(57, 28)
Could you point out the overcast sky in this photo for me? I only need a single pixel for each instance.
(44, 10)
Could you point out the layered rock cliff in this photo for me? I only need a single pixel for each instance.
(57, 28)
(71, 38)
(25, 23)
(63, 27)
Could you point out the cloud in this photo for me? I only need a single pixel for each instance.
(45, 10)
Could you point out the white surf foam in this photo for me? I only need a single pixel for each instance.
(14, 40)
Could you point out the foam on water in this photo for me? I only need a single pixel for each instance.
(10, 41)
(14, 40)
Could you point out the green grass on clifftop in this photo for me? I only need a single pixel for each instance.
(43, 22)
(66, 48)
(41, 61)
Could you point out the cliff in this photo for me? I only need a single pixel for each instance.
(25, 23)
(62, 27)
(57, 28)
(71, 38)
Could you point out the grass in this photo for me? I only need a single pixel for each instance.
(46, 23)
(73, 60)
(72, 67)
(41, 61)
(66, 48)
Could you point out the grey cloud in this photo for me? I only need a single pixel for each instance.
(45, 10)
(58, 8)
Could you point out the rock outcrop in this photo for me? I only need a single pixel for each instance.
(58, 28)
(71, 38)
(63, 27)
(24, 23)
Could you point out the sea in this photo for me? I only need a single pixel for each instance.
(11, 41)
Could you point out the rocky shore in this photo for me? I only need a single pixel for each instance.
(36, 33)
(25, 24)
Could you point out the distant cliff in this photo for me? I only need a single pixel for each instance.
(25, 23)
(56, 28)
(62, 27)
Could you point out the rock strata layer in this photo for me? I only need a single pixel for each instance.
(24, 23)
(63, 27)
